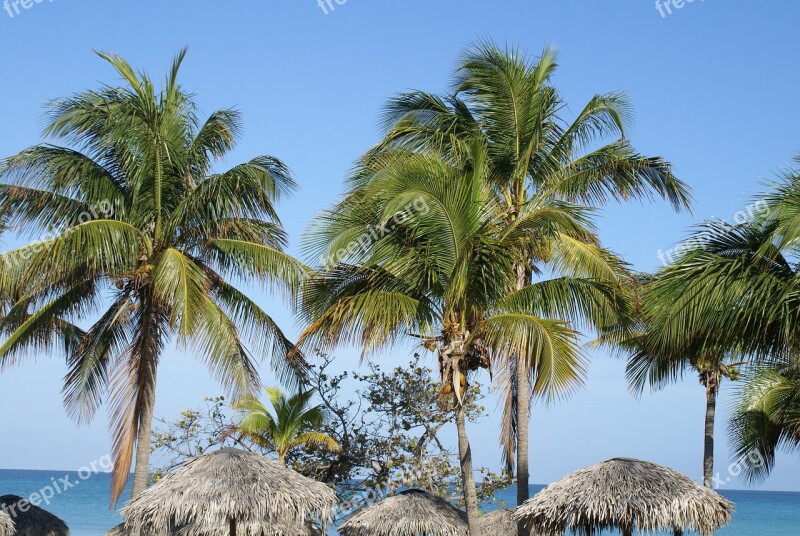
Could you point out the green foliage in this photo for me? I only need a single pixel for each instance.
(655, 361)
(766, 419)
(195, 432)
(292, 423)
(544, 170)
(157, 264)
(390, 430)
(737, 286)
(392, 427)
(446, 275)
(391, 433)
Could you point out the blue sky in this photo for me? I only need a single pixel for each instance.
(714, 93)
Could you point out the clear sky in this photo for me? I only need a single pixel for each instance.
(713, 85)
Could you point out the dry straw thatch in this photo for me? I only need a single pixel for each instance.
(409, 513)
(499, 523)
(263, 529)
(30, 520)
(6, 526)
(120, 530)
(625, 494)
(229, 491)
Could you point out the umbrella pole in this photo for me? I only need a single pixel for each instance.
(233, 527)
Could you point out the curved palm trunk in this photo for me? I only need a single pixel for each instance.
(467, 474)
(712, 389)
(147, 348)
(141, 472)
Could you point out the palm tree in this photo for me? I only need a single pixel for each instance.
(654, 363)
(293, 423)
(767, 419)
(535, 155)
(742, 282)
(441, 272)
(158, 264)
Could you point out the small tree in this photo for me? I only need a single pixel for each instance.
(292, 423)
(389, 429)
(195, 432)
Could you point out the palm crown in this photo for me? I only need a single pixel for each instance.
(447, 268)
(532, 149)
(291, 424)
(156, 263)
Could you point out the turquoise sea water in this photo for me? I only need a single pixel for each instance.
(84, 505)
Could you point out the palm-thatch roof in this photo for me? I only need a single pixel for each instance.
(409, 513)
(625, 494)
(6, 526)
(499, 523)
(30, 520)
(120, 530)
(273, 528)
(263, 529)
(231, 489)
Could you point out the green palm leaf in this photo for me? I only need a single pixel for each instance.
(146, 233)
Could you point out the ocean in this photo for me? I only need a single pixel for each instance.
(84, 505)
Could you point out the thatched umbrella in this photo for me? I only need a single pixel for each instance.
(499, 523)
(409, 513)
(30, 520)
(625, 494)
(229, 490)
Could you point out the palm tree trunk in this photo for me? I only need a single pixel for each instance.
(523, 419)
(712, 388)
(467, 474)
(523, 410)
(147, 349)
(141, 472)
